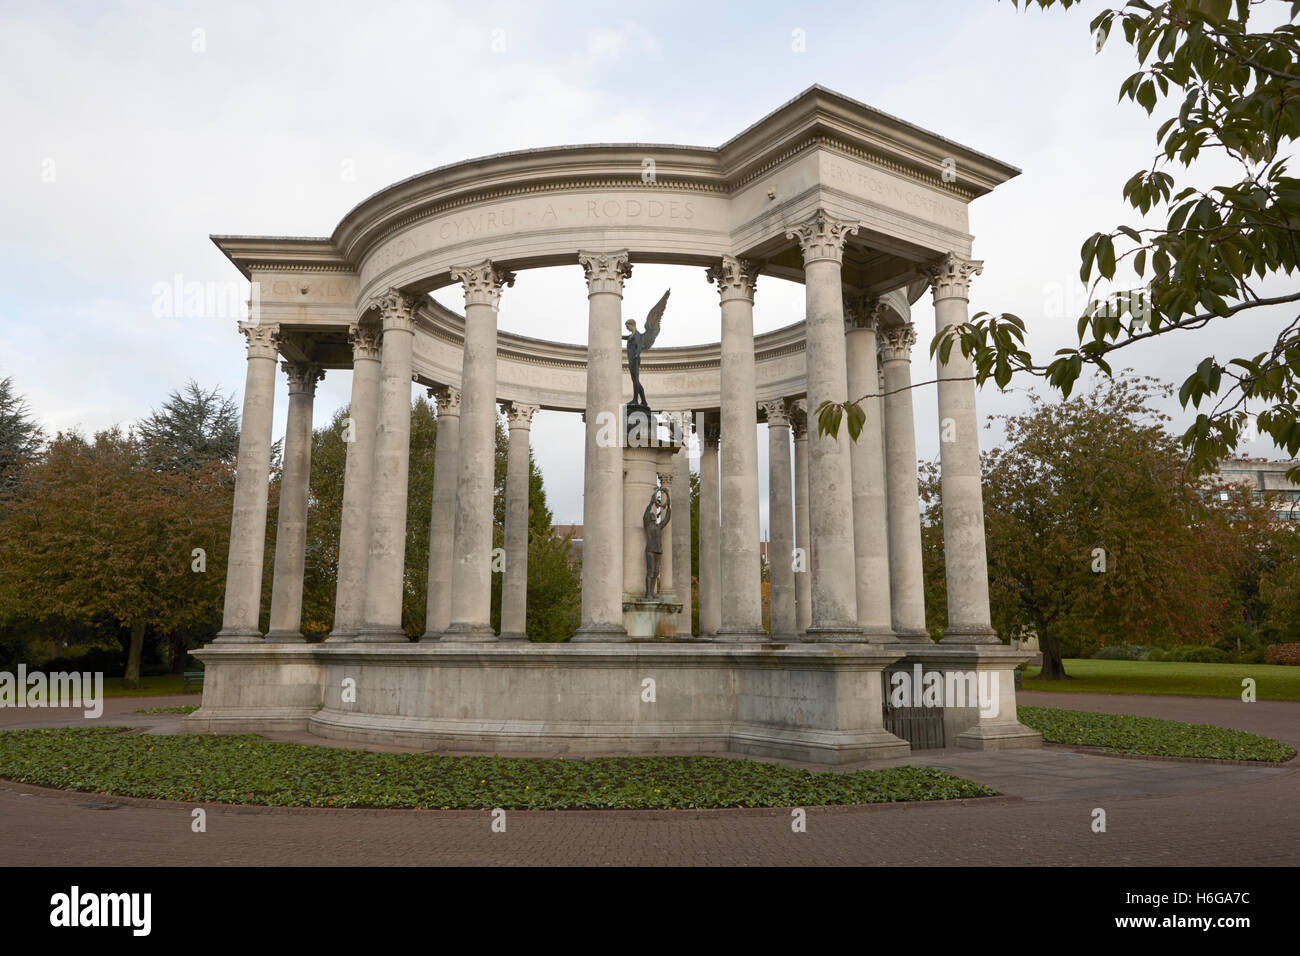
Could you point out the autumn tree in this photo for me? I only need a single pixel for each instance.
(1094, 533)
(98, 534)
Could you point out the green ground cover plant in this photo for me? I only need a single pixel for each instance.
(251, 770)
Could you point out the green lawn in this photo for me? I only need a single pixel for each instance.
(1272, 681)
(251, 770)
(149, 687)
(1124, 733)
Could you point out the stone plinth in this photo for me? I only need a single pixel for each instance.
(648, 455)
(808, 702)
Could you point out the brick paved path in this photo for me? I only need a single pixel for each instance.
(1158, 812)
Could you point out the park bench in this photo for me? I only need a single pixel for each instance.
(193, 677)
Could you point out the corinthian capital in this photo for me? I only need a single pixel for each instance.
(950, 276)
(822, 237)
(896, 342)
(519, 415)
(365, 341)
(483, 282)
(303, 377)
(397, 309)
(862, 312)
(448, 399)
(605, 271)
(799, 419)
(736, 278)
(263, 340)
(778, 415)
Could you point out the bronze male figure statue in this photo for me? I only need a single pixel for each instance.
(638, 342)
(657, 514)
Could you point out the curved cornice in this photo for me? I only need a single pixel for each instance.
(816, 117)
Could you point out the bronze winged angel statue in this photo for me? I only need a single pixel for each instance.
(638, 342)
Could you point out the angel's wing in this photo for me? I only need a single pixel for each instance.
(652, 322)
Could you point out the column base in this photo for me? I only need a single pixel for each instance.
(516, 638)
(430, 637)
(285, 637)
(742, 634)
(970, 634)
(464, 633)
(600, 633)
(235, 636)
(380, 634)
(835, 634)
(342, 636)
(875, 634)
(913, 636)
(1008, 736)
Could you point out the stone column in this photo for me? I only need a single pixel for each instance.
(602, 477)
(830, 477)
(384, 567)
(867, 457)
(742, 581)
(959, 462)
(442, 518)
(906, 577)
(471, 568)
(780, 517)
(514, 586)
(681, 523)
(295, 486)
(242, 609)
(802, 562)
(710, 556)
(358, 479)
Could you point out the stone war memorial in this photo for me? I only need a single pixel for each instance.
(870, 214)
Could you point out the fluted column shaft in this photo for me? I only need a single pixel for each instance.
(514, 586)
(834, 576)
(681, 524)
(602, 476)
(242, 608)
(802, 542)
(358, 478)
(741, 577)
(471, 568)
(780, 517)
(384, 567)
(867, 457)
(442, 515)
(906, 575)
(291, 529)
(959, 460)
(710, 556)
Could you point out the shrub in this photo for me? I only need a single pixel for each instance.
(1121, 652)
(1282, 654)
(1157, 654)
(1199, 654)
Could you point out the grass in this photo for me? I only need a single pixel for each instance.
(1272, 681)
(251, 770)
(149, 686)
(1122, 733)
(184, 709)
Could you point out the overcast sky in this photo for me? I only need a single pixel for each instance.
(134, 131)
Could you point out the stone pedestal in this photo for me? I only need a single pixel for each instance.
(648, 617)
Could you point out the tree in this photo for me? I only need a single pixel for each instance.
(20, 435)
(99, 535)
(1233, 92)
(193, 427)
(1094, 533)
